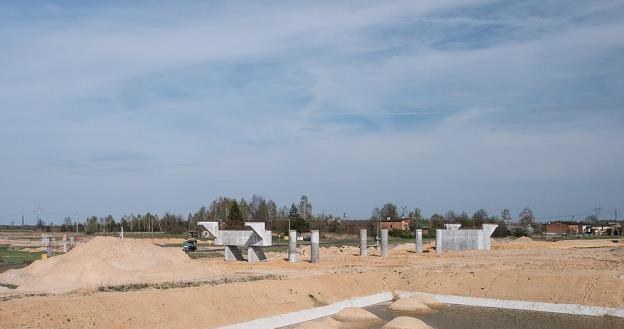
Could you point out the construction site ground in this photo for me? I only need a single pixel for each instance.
(109, 283)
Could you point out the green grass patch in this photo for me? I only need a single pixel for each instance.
(11, 255)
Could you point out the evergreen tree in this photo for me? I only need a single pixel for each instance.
(235, 217)
(296, 221)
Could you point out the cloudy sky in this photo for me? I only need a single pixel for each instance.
(123, 107)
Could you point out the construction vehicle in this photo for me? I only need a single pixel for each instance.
(189, 245)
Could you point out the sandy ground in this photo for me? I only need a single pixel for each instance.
(589, 272)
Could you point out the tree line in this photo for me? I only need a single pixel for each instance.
(524, 224)
(232, 213)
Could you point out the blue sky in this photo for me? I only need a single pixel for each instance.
(123, 107)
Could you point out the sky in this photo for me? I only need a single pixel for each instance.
(123, 107)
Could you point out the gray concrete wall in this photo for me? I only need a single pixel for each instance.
(454, 239)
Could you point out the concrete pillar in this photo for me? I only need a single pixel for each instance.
(232, 253)
(255, 254)
(419, 248)
(314, 253)
(438, 242)
(292, 246)
(363, 242)
(384, 243)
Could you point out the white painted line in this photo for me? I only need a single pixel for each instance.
(288, 319)
(575, 309)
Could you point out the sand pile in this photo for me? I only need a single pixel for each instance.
(357, 317)
(304, 250)
(415, 304)
(100, 262)
(406, 322)
(405, 246)
(348, 318)
(428, 300)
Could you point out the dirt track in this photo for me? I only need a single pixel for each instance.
(583, 272)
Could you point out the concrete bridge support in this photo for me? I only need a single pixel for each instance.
(419, 247)
(255, 254)
(363, 242)
(292, 246)
(384, 243)
(314, 253)
(232, 253)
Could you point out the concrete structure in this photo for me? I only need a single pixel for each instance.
(395, 224)
(254, 240)
(363, 242)
(452, 226)
(314, 253)
(384, 243)
(297, 317)
(292, 246)
(419, 248)
(455, 239)
(45, 242)
(574, 309)
(293, 318)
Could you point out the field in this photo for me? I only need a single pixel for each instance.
(106, 283)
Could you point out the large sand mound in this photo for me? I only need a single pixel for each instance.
(427, 300)
(406, 322)
(348, 318)
(100, 262)
(410, 305)
(357, 318)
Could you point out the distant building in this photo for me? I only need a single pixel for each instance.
(566, 228)
(402, 224)
(606, 228)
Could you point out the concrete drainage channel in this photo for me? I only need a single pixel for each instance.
(569, 315)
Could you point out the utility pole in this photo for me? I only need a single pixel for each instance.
(597, 211)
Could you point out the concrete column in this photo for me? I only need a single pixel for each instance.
(232, 253)
(314, 253)
(384, 243)
(419, 248)
(292, 246)
(363, 242)
(255, 254)
(438, 242)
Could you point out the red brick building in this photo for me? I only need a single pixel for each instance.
(396, 224)
(565, 228)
